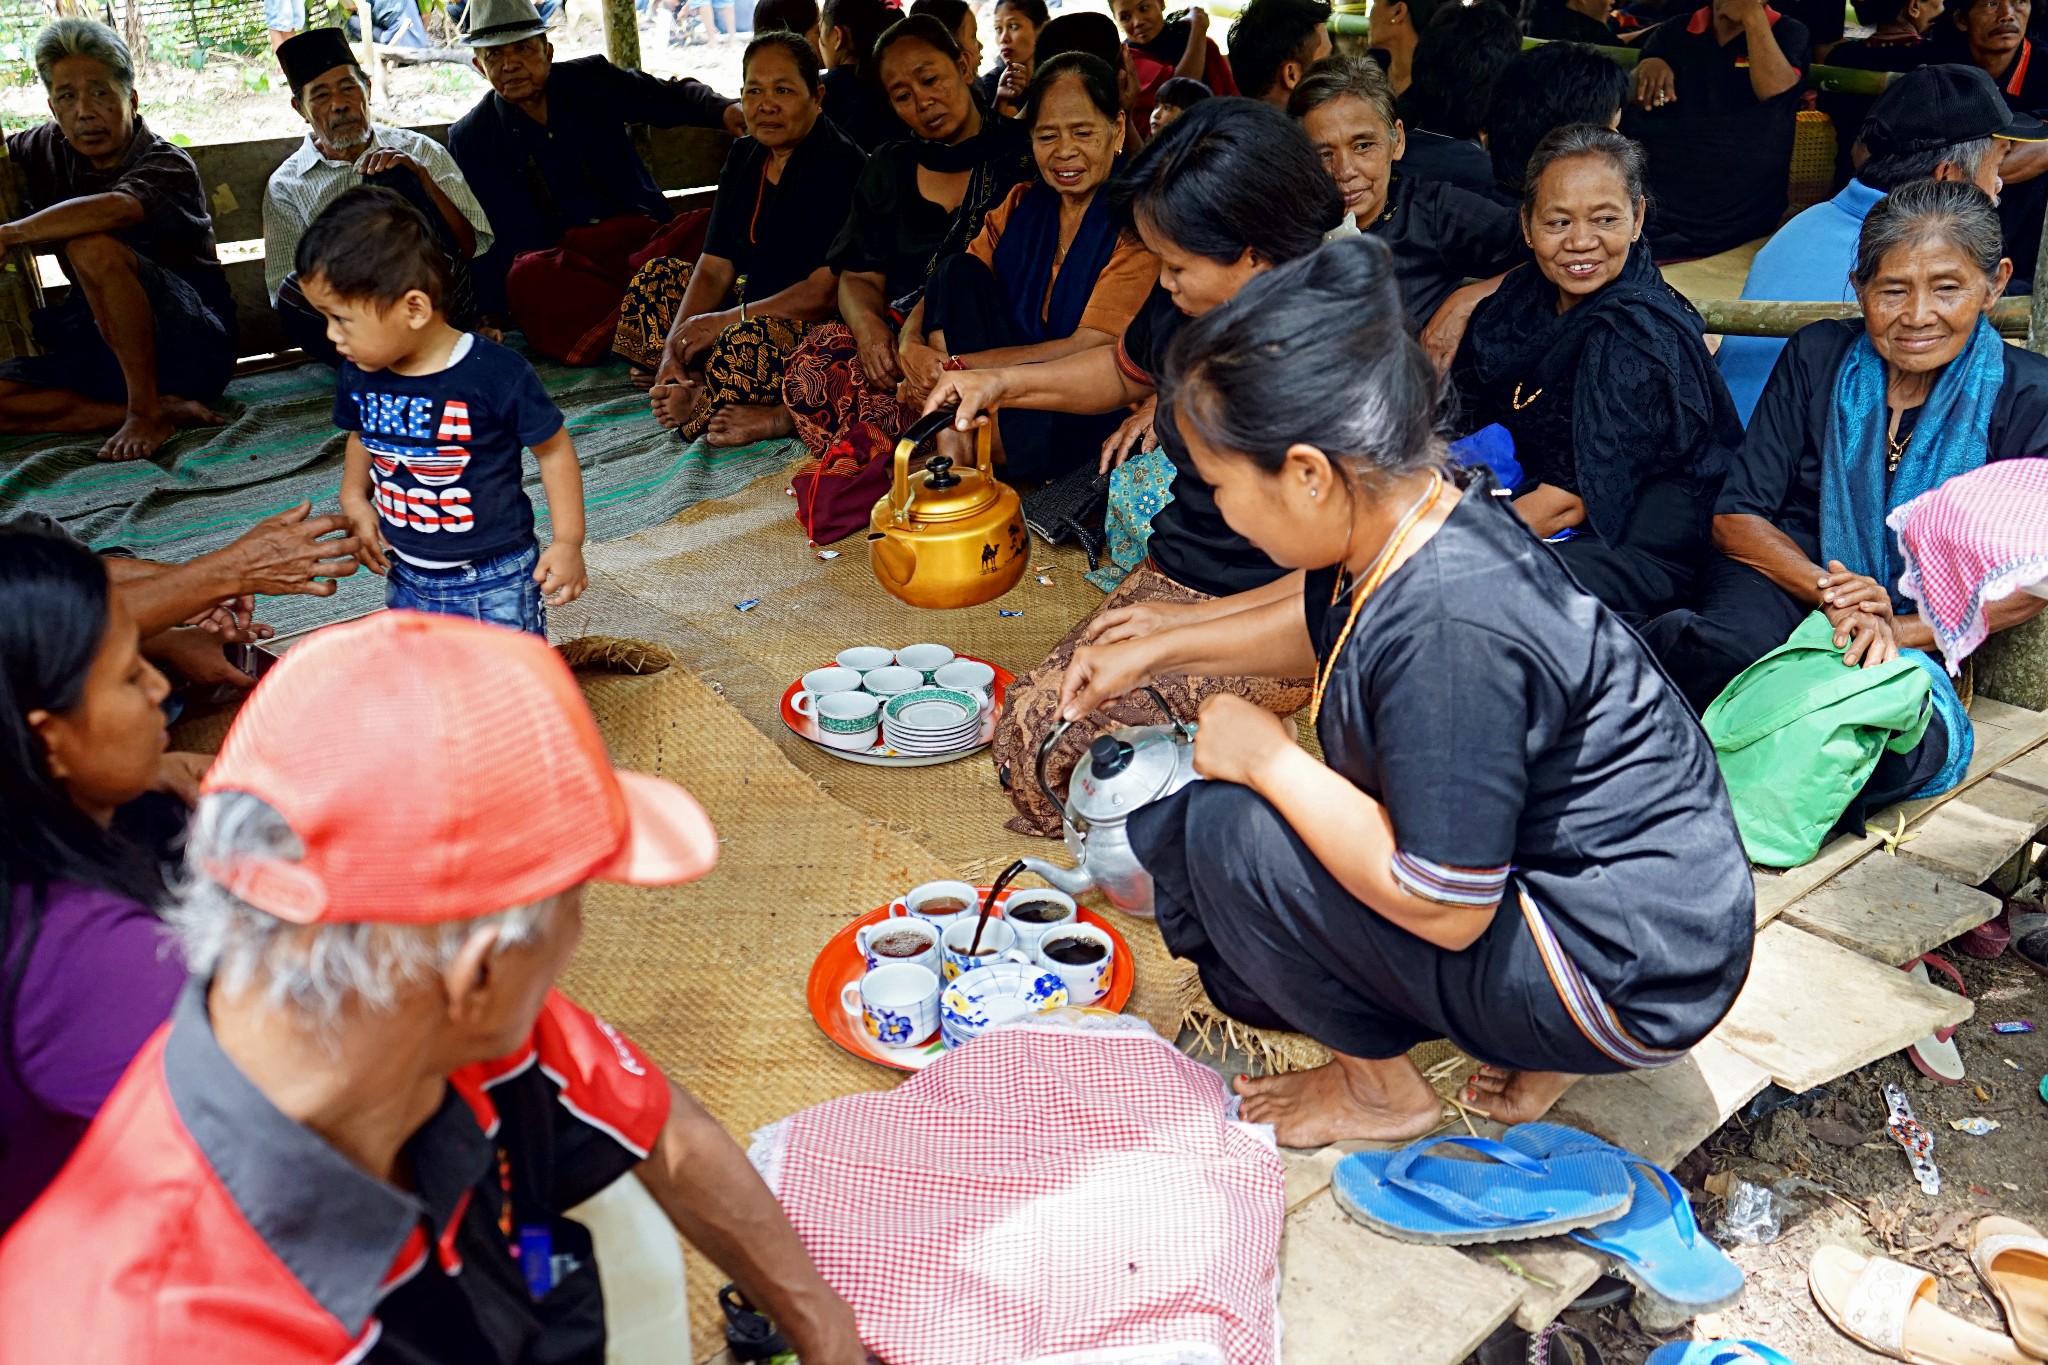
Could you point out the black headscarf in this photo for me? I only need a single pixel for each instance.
(1636, 347)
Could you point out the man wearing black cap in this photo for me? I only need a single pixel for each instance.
(343, 149)
(1940, 122)
(553, 163)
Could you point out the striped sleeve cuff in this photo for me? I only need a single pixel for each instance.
(1477, 886)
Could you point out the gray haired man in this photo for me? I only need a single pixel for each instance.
(146, 337)
(361, 1134)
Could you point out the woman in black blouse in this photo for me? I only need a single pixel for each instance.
(1600, 371)
(1929, 384)
(712, 339)
(919, 201)
(1517, 838)
(1229, 190)
(1440, 235)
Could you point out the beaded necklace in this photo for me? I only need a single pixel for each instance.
(1377, 571)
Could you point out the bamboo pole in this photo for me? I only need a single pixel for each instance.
(2037, 306)
(1768, 318)
(1836, 80)
(622, 34)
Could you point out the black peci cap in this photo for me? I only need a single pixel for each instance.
(1939, 106)
(310, 55)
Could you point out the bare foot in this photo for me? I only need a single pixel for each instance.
(186, 413)
(673, 403)
(643, 380)
(139, 436)
(1350, 1097)
(1515, 1096)
(734, 425)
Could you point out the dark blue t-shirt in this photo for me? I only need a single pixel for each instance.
(445, 451)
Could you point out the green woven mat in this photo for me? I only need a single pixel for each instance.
(206, 487)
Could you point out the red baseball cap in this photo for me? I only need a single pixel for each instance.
(437, 768)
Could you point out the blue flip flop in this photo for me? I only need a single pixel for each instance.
(1656, 1246)
(1414, 1196)
(1717, 1353)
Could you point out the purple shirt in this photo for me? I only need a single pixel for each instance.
(103, 974)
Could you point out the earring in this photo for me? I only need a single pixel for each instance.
(1313, 492)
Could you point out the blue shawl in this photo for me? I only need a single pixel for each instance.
(1024, 261)
(1949, 438)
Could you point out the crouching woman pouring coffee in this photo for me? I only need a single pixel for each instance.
(1520, 842)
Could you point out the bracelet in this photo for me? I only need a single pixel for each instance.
(954, 362)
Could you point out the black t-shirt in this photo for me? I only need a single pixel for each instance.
(446, 451)
(1453, 160)
(1191, 542)
(1719, 157)
(1518, 733)
(1560, 23)
(1777, 473)
(1442, 236)
(895, 231)
(776, 234)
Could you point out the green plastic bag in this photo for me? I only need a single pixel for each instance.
(1797, 736)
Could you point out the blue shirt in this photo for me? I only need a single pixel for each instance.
(445, 451)
(1806, 261)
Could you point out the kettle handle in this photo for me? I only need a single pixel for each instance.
(1060, 728)
(915, 435)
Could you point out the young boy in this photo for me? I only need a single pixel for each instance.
(436, 421)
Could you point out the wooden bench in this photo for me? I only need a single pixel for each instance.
(685, 163)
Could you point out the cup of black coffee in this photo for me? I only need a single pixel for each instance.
(1035, 912)
(1083, 957)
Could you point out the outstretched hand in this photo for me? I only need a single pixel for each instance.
(291, 553)
(1102, 673)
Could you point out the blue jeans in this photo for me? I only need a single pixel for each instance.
(501, 591)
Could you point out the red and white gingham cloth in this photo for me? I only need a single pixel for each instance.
(1980, 537)
(1042, 1195)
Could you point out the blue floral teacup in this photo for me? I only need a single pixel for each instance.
(898, 1004)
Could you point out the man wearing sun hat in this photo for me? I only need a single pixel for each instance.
(551, 156)
(357, 1136)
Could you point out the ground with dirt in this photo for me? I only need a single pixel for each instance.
(1848, 1182)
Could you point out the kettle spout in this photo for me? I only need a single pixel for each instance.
(1072, 880)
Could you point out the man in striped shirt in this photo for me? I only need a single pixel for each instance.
(344, 149)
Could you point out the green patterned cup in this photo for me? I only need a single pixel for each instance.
(849, 720)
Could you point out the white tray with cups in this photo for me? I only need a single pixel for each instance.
(898, 708)
(905, 982)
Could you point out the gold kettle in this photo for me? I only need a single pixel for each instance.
(947, 536)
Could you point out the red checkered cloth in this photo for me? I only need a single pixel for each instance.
(1980, 537)
(1042, 1195)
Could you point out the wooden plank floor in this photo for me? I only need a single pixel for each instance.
(1891, 910)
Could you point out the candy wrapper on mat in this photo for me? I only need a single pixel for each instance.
(1043, 1195)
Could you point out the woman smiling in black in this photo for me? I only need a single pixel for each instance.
(1600, 371)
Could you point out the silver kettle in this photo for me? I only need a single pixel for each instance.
(1122, 772)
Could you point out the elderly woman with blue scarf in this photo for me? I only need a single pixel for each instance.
(1050, 274)
(1858, 419)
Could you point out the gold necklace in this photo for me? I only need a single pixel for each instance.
(1520, 402)
(1377, 571)
(1895, 451)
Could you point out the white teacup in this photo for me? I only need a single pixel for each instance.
(849, 720)
(969, 675)
(862, 658)
(926, 659)
(926, 936)
(823, 682)
(892, 681)
(998, 944)
(898, 1004)
(1031, 931)
(1086, 982)
(918, 898)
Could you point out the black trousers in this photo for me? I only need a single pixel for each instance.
(1654, 567)
(965, 301)
(1281, 944)
(307, 328)
(1738, 616)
